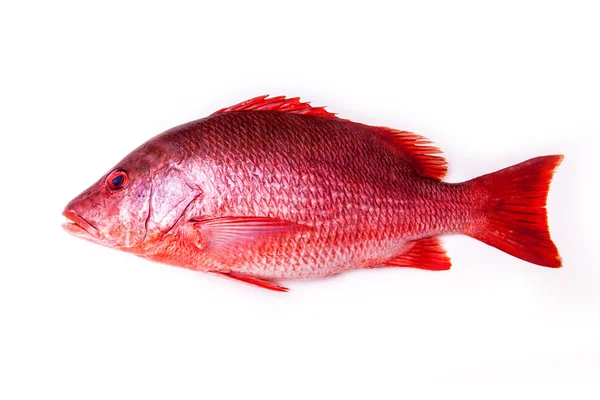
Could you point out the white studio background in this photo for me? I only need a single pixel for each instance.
(84, 83)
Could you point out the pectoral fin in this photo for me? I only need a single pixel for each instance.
(231, 233)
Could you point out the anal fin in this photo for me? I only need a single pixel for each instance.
(425, 253)
(252, 280)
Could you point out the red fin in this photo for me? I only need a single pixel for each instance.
(253, 281)
(425, 253)
(416, 150)
(280, 103)
(514, 218)
(232, 232)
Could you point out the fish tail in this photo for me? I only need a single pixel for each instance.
(513, 217)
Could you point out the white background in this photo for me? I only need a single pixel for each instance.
(81, 85)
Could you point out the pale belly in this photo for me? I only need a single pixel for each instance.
(309, 261)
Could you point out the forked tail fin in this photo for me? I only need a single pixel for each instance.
(514, 216)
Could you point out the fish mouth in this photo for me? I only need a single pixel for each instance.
(79, 226)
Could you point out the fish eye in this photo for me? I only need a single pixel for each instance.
(117, 179)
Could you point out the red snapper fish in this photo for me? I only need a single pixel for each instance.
(273, 188)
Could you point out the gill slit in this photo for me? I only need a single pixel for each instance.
(149, 211)
(185, 210)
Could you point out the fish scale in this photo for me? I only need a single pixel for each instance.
(273, 188)
(330, 202)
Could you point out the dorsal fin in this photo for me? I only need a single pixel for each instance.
(279, 103)
(414, 149)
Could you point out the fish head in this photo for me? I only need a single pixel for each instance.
(134, 204)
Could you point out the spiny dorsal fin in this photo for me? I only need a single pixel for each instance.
(278, 103)
(414, 149)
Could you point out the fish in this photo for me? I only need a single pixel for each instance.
(275, 189)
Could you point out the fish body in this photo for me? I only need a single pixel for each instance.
(276, 189)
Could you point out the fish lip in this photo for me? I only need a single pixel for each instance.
(79, 226)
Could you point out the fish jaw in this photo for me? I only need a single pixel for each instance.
(80, 227)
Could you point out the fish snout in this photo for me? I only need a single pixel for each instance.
(79, 226)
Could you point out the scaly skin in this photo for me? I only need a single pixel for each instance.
(363, 201)
(273, 188)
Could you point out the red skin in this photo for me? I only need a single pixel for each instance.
(344, 197)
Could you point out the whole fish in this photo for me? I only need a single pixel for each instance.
(273, 188)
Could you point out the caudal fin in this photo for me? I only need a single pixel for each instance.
(514, 216)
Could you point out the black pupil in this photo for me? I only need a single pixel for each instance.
(118, 180)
